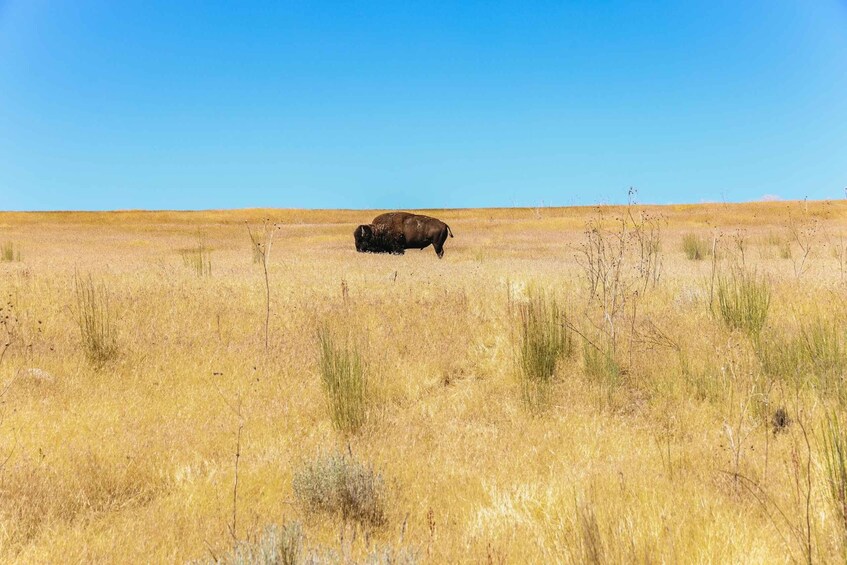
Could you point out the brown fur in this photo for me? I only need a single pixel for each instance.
(417, 231)
(372, 238)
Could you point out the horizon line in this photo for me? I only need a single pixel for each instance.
(304, 209)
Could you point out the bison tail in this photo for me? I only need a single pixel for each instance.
(449, 230)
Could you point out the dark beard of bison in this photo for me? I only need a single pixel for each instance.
(378, 239)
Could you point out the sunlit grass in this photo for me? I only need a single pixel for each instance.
(419, 356)
(543, 341)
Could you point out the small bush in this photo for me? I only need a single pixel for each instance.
(339, 484)
(198, 258)
(344, 381)
(743, 301)
(94, 318)
(695, 247)
(835, 458)
(276, 546)
(8, 253)
(544, 340)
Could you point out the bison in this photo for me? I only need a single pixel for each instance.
(416, 231)
(372, 238)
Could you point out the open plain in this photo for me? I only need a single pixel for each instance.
(692, 414)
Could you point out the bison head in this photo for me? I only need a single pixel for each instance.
(363, 236)
(377, 238)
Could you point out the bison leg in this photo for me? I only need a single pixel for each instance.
(438, 243)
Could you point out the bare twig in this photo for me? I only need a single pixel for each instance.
(804, 235)
(263, 248)
(235, 484)
(764, 499)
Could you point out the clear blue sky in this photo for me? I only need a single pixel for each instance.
(347, 104)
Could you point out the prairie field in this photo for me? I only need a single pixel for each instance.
(597, 384)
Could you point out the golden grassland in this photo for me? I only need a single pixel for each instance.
(673, 456)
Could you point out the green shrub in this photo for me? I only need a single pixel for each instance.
(8, 253)
(544, 339)
(695, 247)
(743, 301)
(337, 483)
(344, 382)
(94, 318)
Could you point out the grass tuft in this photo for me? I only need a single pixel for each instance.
(743, 301)
(824, 348)
(198, 258)
(695, 247)
(344, 382)
(337, 483)
(9, 252)
(816, 355)
(97, 327)
(544, 340)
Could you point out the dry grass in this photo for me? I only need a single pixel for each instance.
(695, 247)
(131, 460)
(9, 252)
(544, 340)
(95, 320)
(345, 384)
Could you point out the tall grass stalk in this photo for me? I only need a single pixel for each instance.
(743, 301)
(344, 382)
(835, 459)
(95, 321)
(544, 340)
